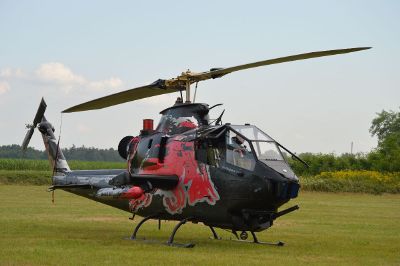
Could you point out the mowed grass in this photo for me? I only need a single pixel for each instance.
(329, 229)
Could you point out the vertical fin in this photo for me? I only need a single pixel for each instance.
(56, 156)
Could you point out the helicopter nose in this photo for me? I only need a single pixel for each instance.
(286, 190)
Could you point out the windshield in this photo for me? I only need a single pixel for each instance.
(252, 133)
(264, 146)
(267, 151)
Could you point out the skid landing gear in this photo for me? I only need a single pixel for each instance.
(255, 240)
(170, 241)
(215, 235)
(244, 235)
(171, 238)
(133, 237)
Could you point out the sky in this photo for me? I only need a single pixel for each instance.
(72, 51)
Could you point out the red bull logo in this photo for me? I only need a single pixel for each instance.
(195, 184)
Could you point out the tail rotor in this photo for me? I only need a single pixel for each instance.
(31, 127)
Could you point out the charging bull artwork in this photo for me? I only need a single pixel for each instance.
(189, 168)
(194, 181)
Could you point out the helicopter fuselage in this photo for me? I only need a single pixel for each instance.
(187, 168)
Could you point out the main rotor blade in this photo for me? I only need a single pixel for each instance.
(156, 88)
(217, 73)
(179, 83)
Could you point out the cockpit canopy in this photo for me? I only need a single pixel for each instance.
(243, 146)
(264, 146)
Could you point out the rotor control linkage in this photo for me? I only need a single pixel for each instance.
(133, 237)
(171, 238)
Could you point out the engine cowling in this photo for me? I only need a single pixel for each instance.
(123, 146)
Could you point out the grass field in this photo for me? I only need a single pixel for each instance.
(329, 229)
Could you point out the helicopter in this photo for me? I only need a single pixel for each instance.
(188, 168)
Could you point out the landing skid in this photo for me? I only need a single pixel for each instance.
(256, 241)
(170, 241)
(241, 238)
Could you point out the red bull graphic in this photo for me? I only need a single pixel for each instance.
(172, 125)
(194, 186)
(142, 202)
(188, 124)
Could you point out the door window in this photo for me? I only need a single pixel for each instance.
(239, 152)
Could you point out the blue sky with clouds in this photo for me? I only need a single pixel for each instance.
(73, 51)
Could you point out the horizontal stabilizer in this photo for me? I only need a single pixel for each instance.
(86, 186)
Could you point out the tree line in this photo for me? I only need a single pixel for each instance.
(74, 153)
(384, 158)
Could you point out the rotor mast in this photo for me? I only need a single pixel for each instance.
(184, 80)
(187, 91)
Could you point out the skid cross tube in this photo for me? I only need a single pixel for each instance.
(140, 224)
(171, 238)
(235, 234)
(215, 235)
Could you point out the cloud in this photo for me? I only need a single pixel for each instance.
(4, 87)
(111, 83)
(60, 74)
(57, 72)
(8, 72)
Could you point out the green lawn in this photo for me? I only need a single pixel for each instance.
(328, 229)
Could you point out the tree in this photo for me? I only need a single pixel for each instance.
(387, 123)
(386, 126)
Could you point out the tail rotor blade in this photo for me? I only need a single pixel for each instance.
(40, 112)
(27, 138)
(38, 117)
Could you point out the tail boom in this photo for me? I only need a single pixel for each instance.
(56, 156)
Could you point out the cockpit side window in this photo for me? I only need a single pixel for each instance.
(209, 151)
(239, 152)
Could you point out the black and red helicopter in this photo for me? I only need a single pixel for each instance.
(188, 169)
